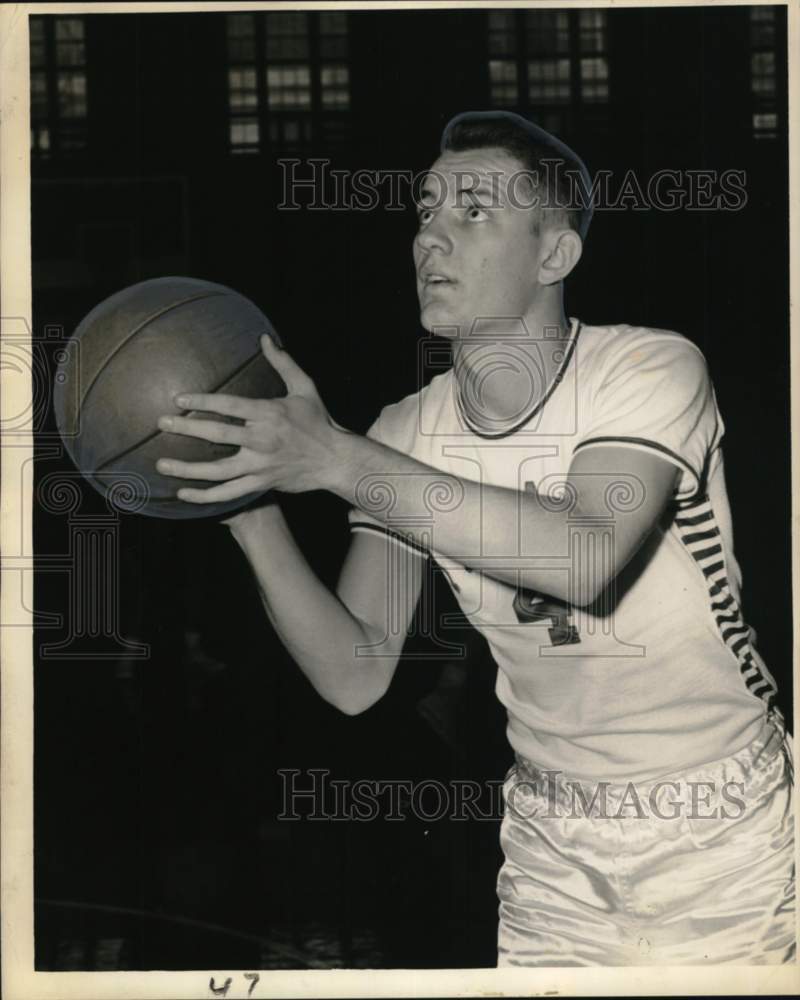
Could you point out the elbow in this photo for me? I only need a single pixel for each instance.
(353, 708)
(356, 702)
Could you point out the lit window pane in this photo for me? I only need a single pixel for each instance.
(503, 82)
(289, 87)
(501, 20)
(241, 38)
(502, 45)
(548, 80)
(242, 93)
(70, 49)
(287, 35)
(70, 54)
(762, 70)
(502, 33)
(69, 28)
(762, 26)
(547, 31)
(765, 126)
(40, 139)
(592, 30)
(502, 71)
(244, 132)
(763, 62)
(333, 46)
(335, 87)
(504, 95)
(38, 95)
(594, 79)
(72, 95)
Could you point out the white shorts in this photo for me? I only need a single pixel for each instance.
(696, 868)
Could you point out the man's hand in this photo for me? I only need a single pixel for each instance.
(285, 444)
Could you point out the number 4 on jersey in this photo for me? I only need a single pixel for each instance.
(530, 607)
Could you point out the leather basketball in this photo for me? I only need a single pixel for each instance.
(129, 358)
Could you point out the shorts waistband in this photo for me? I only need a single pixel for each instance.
(743, 766)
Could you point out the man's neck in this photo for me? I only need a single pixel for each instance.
(505, 369)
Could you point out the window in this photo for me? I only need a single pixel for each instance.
(546, 61)
(288, 78)
(547, 32)
(59, 99)
(548, 81)
(764, 113)
(244, 128)
(592, 30)
(594, 79)
(594, 61)
(503, 81)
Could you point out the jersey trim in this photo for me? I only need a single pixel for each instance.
(557, 379)
(697, 528)
(375, 529)
(647, 445)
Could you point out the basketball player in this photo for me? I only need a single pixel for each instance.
(568, 479)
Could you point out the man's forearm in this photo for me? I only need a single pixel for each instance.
(509, 535)
(316, 628)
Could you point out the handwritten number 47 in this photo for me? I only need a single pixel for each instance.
(222, 991)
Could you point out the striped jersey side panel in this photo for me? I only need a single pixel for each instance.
(698, 530)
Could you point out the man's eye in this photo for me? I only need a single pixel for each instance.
(476, 214)
(424, 215)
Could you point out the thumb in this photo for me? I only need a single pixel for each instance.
(297, 382)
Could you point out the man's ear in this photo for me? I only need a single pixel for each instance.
(563, 249)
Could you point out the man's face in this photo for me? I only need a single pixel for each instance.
(476, 253)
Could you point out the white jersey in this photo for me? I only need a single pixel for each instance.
(660, 673)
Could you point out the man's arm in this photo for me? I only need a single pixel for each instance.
(292, 444)
(347, 643)
(520, 537)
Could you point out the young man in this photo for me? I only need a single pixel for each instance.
(569, 481)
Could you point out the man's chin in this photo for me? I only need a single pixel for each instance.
(439, 322)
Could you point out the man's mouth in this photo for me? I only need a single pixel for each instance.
(432, 279)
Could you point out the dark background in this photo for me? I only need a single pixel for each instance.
(157, 792)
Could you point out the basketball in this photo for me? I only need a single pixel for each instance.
(126, 362)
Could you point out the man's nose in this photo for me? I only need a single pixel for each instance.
(435, 236)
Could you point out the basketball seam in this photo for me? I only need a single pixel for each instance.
(229, 378)
(141, 326)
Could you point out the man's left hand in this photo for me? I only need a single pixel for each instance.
(286, 444)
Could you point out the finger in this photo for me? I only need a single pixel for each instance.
(218, 402)
(297, 382)
(231, 490)
(208, 430)
(221, 470)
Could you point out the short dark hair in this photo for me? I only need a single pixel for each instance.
(567, 190)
